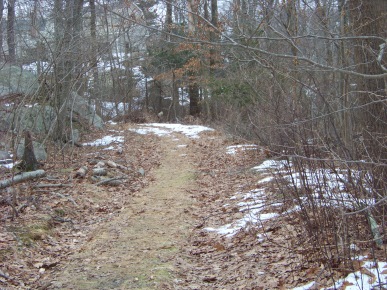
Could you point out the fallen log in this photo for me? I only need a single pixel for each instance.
(22, 177)
(111, 181)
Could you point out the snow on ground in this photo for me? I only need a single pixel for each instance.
(328, 188)
(271, 164)
(163, 129)
(7, 163)
(237, 148)
(252, 204)
(6, 160)
(252, 210)
(160, 129)
(371, 276)
(104, 141)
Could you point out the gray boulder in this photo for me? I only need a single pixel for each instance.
(36, 118)
(4, 155)
(14, 80)
(84, 110)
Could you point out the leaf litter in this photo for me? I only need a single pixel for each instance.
(228, 229)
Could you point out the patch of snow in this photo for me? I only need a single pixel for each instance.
(261, 237)
(252, 215)
(156, 131)
(328, 185)
(371, 276)
(107, 140)
(305, 287)
(109, 148)
(33, 67)
(255, 193)
(236, 148)
(8, 165)
(266, 179)
(162, 129)
(270, 164)
(31, 105)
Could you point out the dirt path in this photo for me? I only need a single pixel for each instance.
(136, 249)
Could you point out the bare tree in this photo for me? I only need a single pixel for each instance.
(67, 41)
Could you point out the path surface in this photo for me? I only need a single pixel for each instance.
(136, 249)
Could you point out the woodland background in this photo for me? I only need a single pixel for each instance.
(305, 79)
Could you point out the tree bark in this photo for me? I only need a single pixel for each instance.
(94, 59)
(1, 29)
(193, 88)
(29, 162)
(11, 31)
(368, 20)
(67, 40)
(213, 34)
(194, 107)
(22, 177)
(168, 20)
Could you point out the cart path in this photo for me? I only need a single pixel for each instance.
(136, 249)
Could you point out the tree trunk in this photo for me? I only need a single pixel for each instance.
(11, 31)
(191, 16)
(94, 59)
(213, 34)
(168, 20)
(194, 107)
(193, 88)
(29, 162)
(346, 122)
(67, 43)
(1, 29)
(369, 19)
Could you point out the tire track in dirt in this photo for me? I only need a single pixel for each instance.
(136, 250)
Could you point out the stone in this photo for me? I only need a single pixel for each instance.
(14, 80)
(5, 155)
(85, 110)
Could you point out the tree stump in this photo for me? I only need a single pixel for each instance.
(29, 162)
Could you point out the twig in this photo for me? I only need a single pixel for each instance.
(109, 180)
(63, 196)
(62, 220)
(4, 276)
(52, 185)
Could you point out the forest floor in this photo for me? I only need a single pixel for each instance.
(150, 231)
